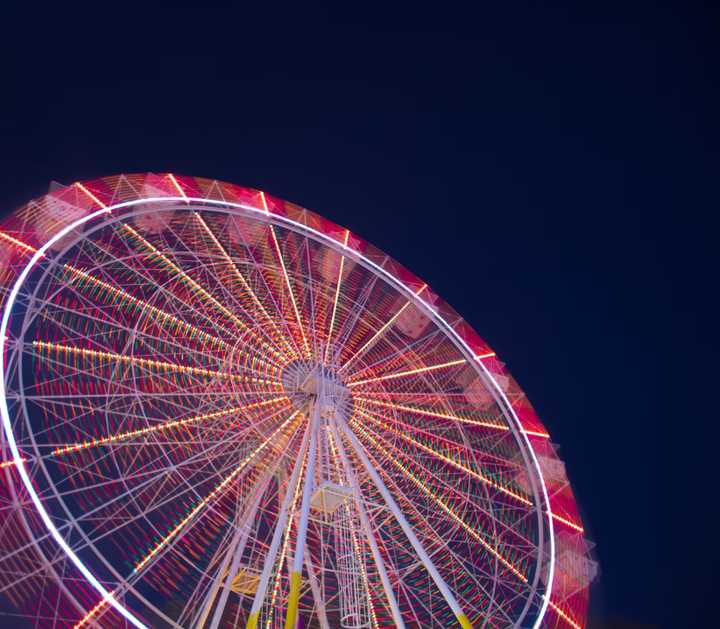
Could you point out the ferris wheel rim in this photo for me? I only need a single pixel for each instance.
(393, 281)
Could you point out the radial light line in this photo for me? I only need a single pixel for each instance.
(442, 484)
(411, 372)
(569, 523)
(380, 332)
(290, 290)
(121, 294)
(337, 295)
(90, 195)
(244, 282)
(468, 470)
(177, 187)
(19, 243)
(88, 616)
(430, 413)
(461, 466)
(161, 315)
(176, 423)
(146, 362)
(198, 289)
(441, 503)
(12, 463)
(209, 497)
(441, 415)
(564, 616)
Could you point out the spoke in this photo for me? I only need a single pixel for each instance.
(288, 506)
(212, 495)
(296, 573)
(407, 529)
(447, 459)
(367, 530)
(169, 321)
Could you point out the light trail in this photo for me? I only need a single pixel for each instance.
(477, 475)
(147, 363)
(289, 288)
(19, 243)
(438, 414)
(87, 617)
(564, 616)
(380, 332)
(420, 485)
(162, 316)
(244, 282)
(177, 187)
(12, 463)
(441, 415)
(335, 300)
(90, 195)
(411, 372)
(198, 289)
(209, 497)
(177, 423)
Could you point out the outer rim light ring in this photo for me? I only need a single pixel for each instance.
(7, 424)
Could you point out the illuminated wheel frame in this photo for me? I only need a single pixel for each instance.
(228, 411)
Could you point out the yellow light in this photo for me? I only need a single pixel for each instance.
(244, 282)
(565, 616)
(86, 618)
(161, 315)
(290, 291)
(479, 476)
(147, 362)
(13, 462)
(411, 372)
(177, 187)
(337, 295)
(439, 414)
(177, 423)
(18, 243)
(197, 288)
(91, 195)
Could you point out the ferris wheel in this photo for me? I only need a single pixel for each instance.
(222, 410)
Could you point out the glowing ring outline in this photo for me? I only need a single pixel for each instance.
(7, 424)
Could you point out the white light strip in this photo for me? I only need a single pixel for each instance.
(392, 280)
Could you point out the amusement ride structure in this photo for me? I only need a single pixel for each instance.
(222, 410)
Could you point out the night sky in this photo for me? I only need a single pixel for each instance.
(546, 170)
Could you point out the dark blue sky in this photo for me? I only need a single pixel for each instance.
(551, 172)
